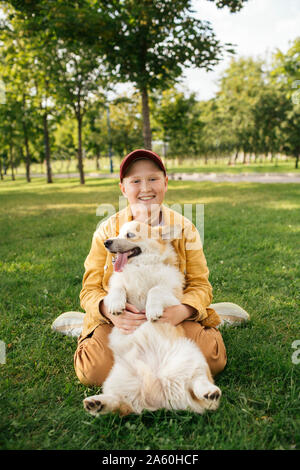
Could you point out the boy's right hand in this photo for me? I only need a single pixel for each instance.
(127, 321)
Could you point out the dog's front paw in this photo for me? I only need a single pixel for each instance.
(115, 303)
(153, 312)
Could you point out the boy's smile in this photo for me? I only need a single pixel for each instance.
(144, 184)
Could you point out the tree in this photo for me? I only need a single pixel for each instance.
(65, 137)
(46, 96)
(126, 125)
(10, 134)
(77, 75)
(95, 136)
(269, 113)
(147, 43)
(240, 89)
(286, 74)
(216, 137)
(178, 119)
(16, 61)
(25, 64)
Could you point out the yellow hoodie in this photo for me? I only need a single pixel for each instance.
(191, 262)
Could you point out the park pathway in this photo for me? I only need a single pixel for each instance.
(212, 177)
(237, 178)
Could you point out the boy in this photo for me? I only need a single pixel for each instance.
(143, 181)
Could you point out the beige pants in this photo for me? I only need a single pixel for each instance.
(93, 358)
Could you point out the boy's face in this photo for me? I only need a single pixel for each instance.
(144, 184)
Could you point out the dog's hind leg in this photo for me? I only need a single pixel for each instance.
(102, 404)
(205, 392)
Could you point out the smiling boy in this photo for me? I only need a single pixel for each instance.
(143, 181)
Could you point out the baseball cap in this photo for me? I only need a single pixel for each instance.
(140, 154)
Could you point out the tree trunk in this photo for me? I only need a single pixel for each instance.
(47, 149)
(111, 163)
(11, 158)
(297, 161)
(236, 157)
(164, 149)
(146, 120)
(1, 173)
(27, 161)
(80, 161)
(97, 160)
(25, 130)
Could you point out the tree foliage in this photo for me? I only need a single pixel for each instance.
(286, 74)
(59, 59)
(147, 43)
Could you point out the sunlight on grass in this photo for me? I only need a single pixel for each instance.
(21, 267)
(287, 205)
(35, 209)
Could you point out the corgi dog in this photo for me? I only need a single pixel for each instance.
(156, 366)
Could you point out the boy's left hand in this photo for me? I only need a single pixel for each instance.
(177, 314)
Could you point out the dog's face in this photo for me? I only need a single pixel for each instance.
(137, 238)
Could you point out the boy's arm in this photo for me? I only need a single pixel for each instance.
(198, 290)
(197, 294)
(92, 291)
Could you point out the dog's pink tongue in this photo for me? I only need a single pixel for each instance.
(120, 262)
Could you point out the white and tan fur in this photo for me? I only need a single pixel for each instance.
(156, 366)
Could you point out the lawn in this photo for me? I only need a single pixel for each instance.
(251, 236)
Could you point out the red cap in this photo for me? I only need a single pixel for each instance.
(140, 154)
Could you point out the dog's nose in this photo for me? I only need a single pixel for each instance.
(107, 243)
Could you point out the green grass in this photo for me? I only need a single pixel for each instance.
(251, 237)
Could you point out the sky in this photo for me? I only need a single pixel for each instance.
(261, 27)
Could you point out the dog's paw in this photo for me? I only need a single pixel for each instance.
(93, 405)
(210, 394)
(213, 394)
(153, 312)
(114, 303)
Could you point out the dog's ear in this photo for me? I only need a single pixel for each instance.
(170, 232)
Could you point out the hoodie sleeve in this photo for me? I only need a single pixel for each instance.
(92, 291)
(198, 290)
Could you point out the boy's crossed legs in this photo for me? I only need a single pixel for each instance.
(93, 358)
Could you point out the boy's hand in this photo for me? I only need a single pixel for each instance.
(127, 321)
(177, 314)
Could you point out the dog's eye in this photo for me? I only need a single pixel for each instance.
(130, 235)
